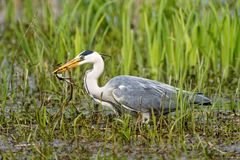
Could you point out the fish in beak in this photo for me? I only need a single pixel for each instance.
(71, 64)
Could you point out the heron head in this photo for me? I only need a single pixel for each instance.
(82, 58)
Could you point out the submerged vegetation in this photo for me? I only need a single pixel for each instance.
(194, 45)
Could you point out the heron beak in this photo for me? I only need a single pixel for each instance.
(71, 64)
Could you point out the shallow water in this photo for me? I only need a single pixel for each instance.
(96, 147)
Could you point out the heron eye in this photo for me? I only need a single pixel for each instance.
(82, 58)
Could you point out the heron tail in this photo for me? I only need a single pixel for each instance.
(200, 99)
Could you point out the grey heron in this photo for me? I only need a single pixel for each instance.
(124, 92)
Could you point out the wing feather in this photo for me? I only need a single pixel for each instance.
(142, 95)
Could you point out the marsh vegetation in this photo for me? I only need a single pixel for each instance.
(194, 45)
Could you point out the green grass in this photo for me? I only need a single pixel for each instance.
(193, 45)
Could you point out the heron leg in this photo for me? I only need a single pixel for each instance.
(96, 108)
(145, 117)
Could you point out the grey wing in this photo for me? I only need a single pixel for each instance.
(141, 96)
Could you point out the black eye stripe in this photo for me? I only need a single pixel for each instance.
(85, 53)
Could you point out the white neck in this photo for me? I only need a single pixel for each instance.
(91, 78)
